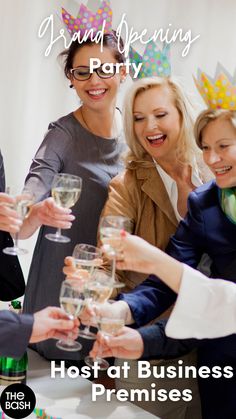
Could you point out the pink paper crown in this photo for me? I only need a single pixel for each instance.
(87, 20)
(218, 92)
(155, 62)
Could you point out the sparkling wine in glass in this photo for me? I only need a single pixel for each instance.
(97, 290)
(111, 227)
(109, 324)
(86, 259)
(23, 203)
(66, 190)
(110, 327)
(72, 302)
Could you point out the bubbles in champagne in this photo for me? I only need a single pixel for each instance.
(22, 207)
(88, 265)
(108, 232)
(72, 306)
(66, 197)
(98, 293)
(109, 326)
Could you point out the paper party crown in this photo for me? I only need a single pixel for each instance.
(218, 92)
(155, 62)
(87, 20)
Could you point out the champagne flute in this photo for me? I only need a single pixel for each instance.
(23, 203)
(97, 290)
(71, 301)
(109, 324)
(86, 258)
(66, 190)
(111, 227)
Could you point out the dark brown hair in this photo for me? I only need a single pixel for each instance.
(110, 41)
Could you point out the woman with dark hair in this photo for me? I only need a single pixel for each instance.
(86, 143)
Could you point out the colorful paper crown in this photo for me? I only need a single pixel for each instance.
(154, 61)
(87, 20)
(218, 92)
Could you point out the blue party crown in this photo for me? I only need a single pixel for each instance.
(155, 62)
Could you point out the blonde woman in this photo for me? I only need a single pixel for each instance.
(209, 227)
(163, 166)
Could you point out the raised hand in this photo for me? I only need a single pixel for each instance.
(135, 254)
(53, 322)
(9, 218)
(127, 344)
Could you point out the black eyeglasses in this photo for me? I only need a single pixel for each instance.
(83, 73)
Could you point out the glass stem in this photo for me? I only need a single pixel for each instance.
(87, 329)
(99, 353)
(58, 232)
(69, 339)
(16, 240)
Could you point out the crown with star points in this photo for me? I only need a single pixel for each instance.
(86, 20)
(155, 62)
(218, 92)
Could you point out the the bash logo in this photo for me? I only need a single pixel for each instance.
(17, 401)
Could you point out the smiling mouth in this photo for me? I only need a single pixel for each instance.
(96, 94)
(222, 170)
(156, 140)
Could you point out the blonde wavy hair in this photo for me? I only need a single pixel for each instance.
(187, 149)
(211, 115)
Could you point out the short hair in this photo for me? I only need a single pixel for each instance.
(187, 148)
(208, 116)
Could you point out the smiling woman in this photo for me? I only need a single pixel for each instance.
(86, 143)
(215, 132)
(157, 123)
(208, 228)
(162, 167)
(216, 136)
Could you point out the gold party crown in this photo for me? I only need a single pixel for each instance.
(219, 92)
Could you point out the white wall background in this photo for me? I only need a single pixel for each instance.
(33, 90)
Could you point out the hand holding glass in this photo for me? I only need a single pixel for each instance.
(71, 301)
(66, 190)
(97, 290)
(22, 206)
(109, 324)
(110, 228)
(86, 258)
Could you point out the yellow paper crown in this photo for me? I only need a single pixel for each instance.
(218, 92)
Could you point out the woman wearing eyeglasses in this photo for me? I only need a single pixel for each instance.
(87, 142)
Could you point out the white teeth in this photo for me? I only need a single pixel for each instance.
(223, 170)
(155, 137)
(96, 92)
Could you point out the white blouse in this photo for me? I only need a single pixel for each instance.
(205, 308)
(171, 186)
